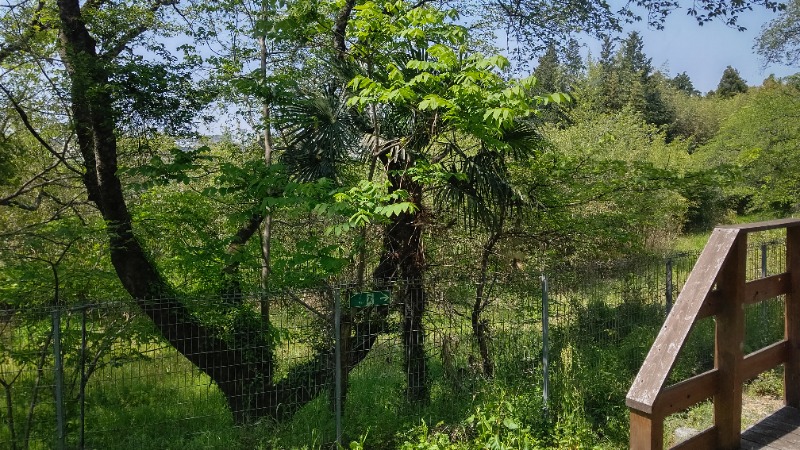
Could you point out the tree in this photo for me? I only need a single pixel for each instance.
(731, 83)
(683, 83)
(608, 187)
(552, 76)
(632, 57)
(107, 85)
(758, 141)
(696, 118)
(548, 72)
(450, 123)
(623, 78)
(779, 41)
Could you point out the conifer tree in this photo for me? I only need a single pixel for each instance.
(731, 83)
(683, 83)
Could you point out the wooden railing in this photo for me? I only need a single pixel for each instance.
(718, 287)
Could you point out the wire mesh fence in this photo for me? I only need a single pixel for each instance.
(318, 366)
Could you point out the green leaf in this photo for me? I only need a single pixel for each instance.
(510, 424)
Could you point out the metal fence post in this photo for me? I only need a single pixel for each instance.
(82, 392)
(669, 286)
(764, 275)
(58, 370)
(545, 343)
(337, 331)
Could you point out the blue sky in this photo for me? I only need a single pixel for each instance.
(703, 52)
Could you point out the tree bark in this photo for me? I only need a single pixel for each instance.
(403, 261)
(242, 371)
(480, 327)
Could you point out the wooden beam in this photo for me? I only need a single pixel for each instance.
(767, 288)
(647, 432)
(791, 372)
(701, 441)
(764, 226)
(687, 393)
(662, 355)
(764, 359)
(728, 338)
(711, 307)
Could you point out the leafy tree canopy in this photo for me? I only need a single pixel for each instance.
(779, 41)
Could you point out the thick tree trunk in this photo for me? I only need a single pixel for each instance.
(403, 262)
(241, 370)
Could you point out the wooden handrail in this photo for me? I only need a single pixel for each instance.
(717, 287)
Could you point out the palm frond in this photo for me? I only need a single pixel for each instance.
(322, 134)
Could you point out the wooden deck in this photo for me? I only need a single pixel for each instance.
(780, 430)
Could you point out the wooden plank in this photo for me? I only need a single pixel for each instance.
(767, 288)
(764, 359)
(647, 432)
(767, 435)
(788, 416)
(689, 392)
(776, 423)
(750, 445)
(711, 307)
(728, 339)
(791, 373)
(780, 430)
(764, 226)
(701, 441)
(662, 355)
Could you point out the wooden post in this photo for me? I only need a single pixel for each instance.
(647, 432)
(728, 344)
(791, 371)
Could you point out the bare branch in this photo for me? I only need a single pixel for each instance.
(297, 299)
(28, 186)
(35, 25)
(26, 121)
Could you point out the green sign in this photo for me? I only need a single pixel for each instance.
(372, 298)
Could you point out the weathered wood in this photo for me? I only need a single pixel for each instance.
(701, 441)
(728, 347)
(647, 432)
(662, 355)
(764, 226)
(791, 381)
(711, 307)
(764, 359)
(767, 288)
(687, 393)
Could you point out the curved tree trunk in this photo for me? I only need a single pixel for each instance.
(240, 369)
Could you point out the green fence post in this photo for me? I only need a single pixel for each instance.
(763, 275)
(59, 380)
(84, 380)
(545, 343)
(669, 286)
(337, 331)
